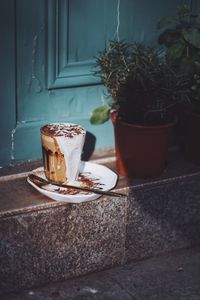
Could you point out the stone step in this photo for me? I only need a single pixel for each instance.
(175, 275)
(43, 241)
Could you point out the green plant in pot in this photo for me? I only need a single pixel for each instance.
(144, 92)
(181, 37)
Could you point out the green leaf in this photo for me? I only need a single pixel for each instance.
(192, 36)
(175, 52)
(183, 11)
(100, 115)
(169, 37)
(194, 87)
(197, 65)
(196, 24)
(187, 65)
(165, 21)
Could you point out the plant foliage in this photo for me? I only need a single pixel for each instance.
(181, 37)
(144, 89)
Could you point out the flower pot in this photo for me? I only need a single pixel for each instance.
(192, 137)
(141, 151)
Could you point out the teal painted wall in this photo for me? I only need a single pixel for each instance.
(46, 60)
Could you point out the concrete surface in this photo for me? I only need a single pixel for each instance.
(174, 276)
(43, 241)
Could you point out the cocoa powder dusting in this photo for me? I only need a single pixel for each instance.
(84, 182)
(67, 191)
(61, 129)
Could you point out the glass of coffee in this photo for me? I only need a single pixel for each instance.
(62, 145)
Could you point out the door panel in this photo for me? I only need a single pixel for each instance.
(48, 64)
(7, 82)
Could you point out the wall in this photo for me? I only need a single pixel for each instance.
(47, 57)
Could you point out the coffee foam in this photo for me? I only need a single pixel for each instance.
(63, 129)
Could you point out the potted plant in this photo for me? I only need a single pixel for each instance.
(181, 37)
(143, 93)
(191, 123)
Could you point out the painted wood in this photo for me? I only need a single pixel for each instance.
(47, 63)
(7, 82)
(72, 44)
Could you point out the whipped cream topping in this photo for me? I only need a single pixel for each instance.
(63, 129)
(71, 148)
(70, 139)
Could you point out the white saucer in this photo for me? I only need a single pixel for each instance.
(100, 175)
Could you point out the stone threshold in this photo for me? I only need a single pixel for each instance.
(43, 241)
(17, 197)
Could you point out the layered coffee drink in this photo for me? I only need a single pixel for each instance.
(62, 145)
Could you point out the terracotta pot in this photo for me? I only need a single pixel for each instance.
(141, 151)
(192, 137)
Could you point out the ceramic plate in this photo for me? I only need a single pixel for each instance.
(90, 173)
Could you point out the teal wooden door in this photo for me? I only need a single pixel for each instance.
(47, 58)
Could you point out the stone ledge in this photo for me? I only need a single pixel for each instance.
(61, 242)
(43, 241)
(163, 217)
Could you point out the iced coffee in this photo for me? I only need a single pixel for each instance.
(62, 145)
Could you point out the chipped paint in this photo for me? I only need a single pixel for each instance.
(103, 100)
(34, 82)
(116, 35)
(51, 93)
(13, 144)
